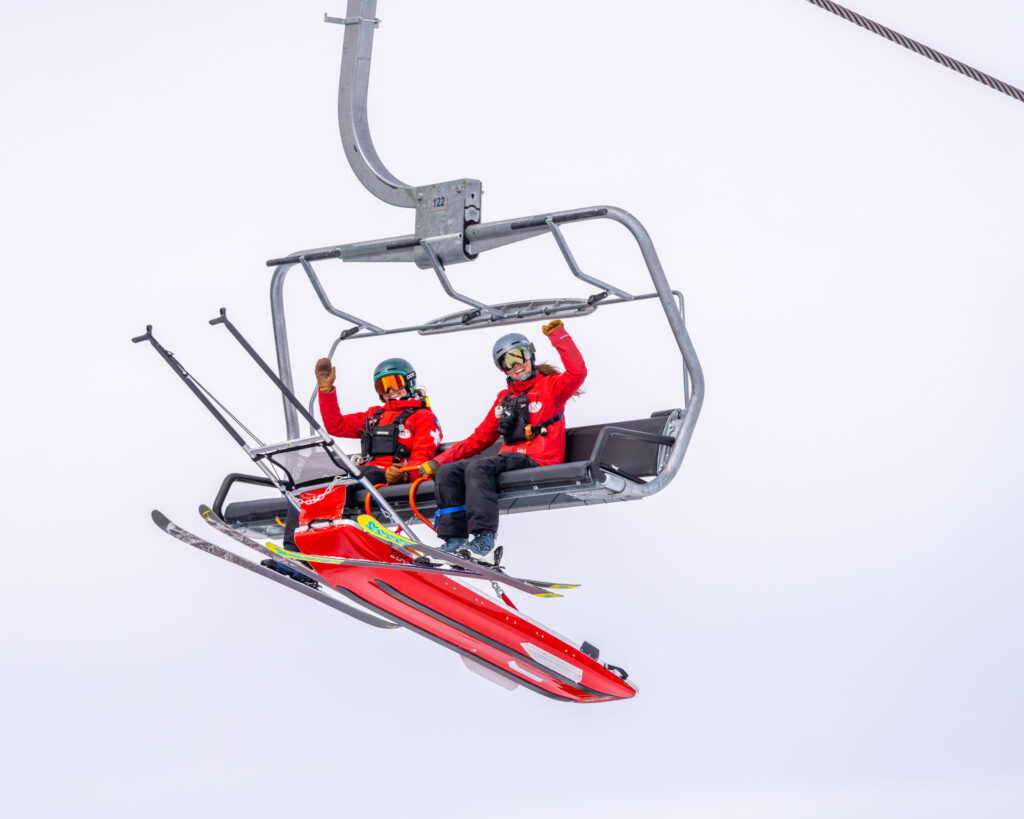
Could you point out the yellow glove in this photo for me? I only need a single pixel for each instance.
(551, 325)
(394, 474)
(429, 468)
(324, 375)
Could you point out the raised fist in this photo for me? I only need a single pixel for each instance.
(324, 375)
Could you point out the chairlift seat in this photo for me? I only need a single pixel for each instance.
(614, 473)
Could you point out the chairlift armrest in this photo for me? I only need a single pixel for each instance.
(622, 473)
(229, 481)
(606, 434)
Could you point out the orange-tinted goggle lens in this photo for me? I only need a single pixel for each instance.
(391, 381)
(519, 355)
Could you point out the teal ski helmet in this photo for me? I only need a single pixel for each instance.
(394, 373)
(506, 344)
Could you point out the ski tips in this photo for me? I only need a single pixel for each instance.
(160, 519)
(546, 585)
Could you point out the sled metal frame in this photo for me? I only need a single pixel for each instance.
(448, 231)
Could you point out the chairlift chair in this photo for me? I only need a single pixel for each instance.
(617, 461)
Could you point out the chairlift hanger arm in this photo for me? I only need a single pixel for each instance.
(352, 119)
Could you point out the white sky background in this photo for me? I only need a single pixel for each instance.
(822, 612)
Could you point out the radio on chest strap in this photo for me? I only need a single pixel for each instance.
(514, 424)
(382, 439)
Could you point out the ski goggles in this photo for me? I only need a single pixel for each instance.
(391, 381)
(520, 355)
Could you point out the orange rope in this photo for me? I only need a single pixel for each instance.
(412, 493)
(412, 500)
(369, 497)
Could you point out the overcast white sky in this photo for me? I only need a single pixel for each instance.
(823, 612)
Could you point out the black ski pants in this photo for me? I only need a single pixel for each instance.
(473, 483)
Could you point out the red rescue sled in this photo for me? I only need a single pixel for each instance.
(496, 639)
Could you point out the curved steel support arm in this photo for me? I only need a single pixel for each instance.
(352, 119)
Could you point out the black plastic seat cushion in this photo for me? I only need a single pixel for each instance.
(630, 456)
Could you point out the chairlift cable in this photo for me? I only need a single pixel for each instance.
(920, 48)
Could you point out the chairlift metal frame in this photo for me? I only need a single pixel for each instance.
(448, 231)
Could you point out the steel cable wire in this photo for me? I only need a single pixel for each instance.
(920, 48)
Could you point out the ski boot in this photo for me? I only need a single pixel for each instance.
(451, 545)
(482, 550)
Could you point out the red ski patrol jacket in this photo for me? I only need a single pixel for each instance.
(421, 435)
(548, 396)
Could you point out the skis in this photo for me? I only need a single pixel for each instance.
(218, 524)
(406, 545)
(466, 568)
(174, 530)
(407, 567)
(369, 524)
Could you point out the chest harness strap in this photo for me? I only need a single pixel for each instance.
(382, 439)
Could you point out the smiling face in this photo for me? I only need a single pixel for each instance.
(520, 370)
(392, 386)
(517, 363)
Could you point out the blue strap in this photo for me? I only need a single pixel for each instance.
(447, 511)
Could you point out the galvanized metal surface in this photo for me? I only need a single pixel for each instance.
(448, 230)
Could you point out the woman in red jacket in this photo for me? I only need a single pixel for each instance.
(528, 415)
(403, 432)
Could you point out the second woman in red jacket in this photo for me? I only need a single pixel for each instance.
(527, 414)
